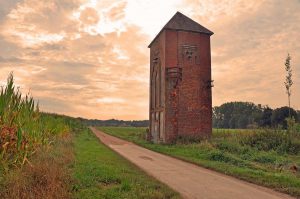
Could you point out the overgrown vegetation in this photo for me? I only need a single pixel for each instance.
(23, 129)
(282, 142)
(47, 176)
(266, 157)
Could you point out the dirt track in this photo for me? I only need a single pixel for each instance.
(189, 180)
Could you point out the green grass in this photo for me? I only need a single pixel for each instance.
(101, 173)
(229, 153)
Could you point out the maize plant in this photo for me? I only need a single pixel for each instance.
(22, 127)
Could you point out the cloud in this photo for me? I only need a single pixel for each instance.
(54, 105)
(249, 48)
(32, 22)
(6, 7)
(110, 100)
(81, 73)
(10, 60)
(117, 11)
(90, 58)
(89, 16)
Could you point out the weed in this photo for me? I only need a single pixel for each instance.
(46, 177)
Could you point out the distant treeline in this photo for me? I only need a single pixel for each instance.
(113, 122)
(231, 115)
(240, 115)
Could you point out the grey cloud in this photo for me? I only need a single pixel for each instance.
(69, 76)
(8, 48)
(6, 6)
(249, 52)
(50, 47)
(60, 74)
(51, 104)
(34, 53)
(10, 60)
(70, 64)
(251, 32)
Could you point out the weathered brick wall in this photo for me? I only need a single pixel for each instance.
(192, 52)
(185, 89)
(195, 91)
(171, 95)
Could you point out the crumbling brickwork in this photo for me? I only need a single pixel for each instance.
(180, 81)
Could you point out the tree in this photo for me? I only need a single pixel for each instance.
(279, 116)
(236, 115)
(288, 80)
(266, 119)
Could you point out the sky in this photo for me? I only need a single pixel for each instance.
(89, 58)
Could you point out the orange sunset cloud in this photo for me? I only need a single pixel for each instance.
(90, 58)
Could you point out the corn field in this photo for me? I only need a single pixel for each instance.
(23, 128)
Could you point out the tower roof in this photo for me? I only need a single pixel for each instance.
(181, 22)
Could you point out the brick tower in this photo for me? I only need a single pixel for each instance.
(180, 81)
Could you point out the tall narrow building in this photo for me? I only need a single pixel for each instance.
(180, 81)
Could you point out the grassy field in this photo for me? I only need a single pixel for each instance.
(264, 157)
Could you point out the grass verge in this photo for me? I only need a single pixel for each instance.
(225, 153)
(101, 173)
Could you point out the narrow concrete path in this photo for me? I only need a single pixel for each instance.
(189, 180)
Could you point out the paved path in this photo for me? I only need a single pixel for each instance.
(189, 180)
